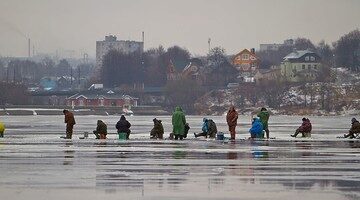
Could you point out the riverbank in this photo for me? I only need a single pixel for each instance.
(57, 110)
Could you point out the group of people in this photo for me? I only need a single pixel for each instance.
(122, 126)
(180, 127)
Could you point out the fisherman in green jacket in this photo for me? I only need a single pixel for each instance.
(2, 129)
(264, 118)
(178, 122)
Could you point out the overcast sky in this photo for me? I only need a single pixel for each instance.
(232, 24)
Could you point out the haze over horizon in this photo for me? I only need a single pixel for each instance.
(234, 25)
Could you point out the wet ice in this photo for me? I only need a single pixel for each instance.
(34, 159)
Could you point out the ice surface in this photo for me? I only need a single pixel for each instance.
(36, 164)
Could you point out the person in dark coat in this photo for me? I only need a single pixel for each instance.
(158, 131)
(123, 126)
(187, 128)
(101, 130)
(304, 129)
(208, 129)
(355, 129)
(231, 119)
(70, 122)
(212, 129)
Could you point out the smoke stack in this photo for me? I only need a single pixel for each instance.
(29, 47)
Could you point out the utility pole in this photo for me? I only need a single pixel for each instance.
(29, 47)
(209, 42)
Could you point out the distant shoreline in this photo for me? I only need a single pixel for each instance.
(26, 110)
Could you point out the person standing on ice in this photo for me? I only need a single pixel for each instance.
(264, 118)
(123, 126)
(231, 119)
(355, 129)
(70, 122)
(304, 129)
(2, 129)
(178, 122)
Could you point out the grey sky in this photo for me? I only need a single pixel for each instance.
(232, 24)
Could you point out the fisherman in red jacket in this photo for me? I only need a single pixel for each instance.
(70, 122)
(304, 129)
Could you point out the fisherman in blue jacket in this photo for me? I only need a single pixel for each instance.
(204, 129)
(256, 130)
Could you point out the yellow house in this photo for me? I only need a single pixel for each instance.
(301, 66)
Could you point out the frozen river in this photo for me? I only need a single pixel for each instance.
(36, 164)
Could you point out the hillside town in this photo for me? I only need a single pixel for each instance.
(293, 77)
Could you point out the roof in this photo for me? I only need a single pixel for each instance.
(264, 71)
(297, 54)
(100, 95)
(246, 51)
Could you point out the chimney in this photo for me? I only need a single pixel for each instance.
(252, 50)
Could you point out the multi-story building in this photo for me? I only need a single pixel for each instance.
(111, 43)
(301, 66)
(275, 47)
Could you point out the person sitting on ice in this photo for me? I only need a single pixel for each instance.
(208, 129)
(158, 131)
(354, 130)
(123, 126)
(187, 128)
(256, 130)
(2, 129)
(304, 129)
(204, 129)
(101, 130)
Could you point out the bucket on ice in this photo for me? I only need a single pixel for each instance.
(220, 136)
(122, 136)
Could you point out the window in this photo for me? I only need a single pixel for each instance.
(307, 58)
(309, 67)
(245, 56)
(312, 58)
(315, 66)
(303, 66)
